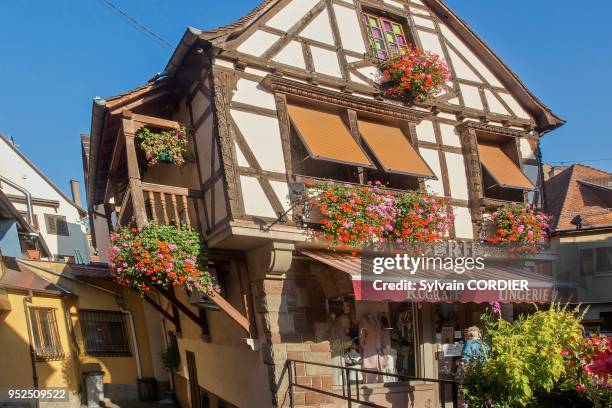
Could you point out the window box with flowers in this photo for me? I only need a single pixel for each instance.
(414, 75)
(520, 225)
(164, 146)
(159, 255)
(355, 216)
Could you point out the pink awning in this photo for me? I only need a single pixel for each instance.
(540, 288)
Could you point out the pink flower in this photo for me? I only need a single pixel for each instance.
(580, 389)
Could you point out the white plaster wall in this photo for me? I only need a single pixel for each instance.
(252, 93)
(431, 43)
(291, 55)
(450, 137)
(532, 173)
(456, 175)
(514, 105)
(494, 104)
(325, 61)
(14, 168)
(471, 96)
(526, 150)
(282, 192)
(291, 14)
(462, 70)
(258, 43)
(263, 137)
(319, 29)
(432, 159)
(463, 223)
(348, 26)
(425, 131)
(254, 199)
(220, 202)
(423, 22)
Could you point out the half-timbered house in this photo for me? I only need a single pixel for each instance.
(290, 92)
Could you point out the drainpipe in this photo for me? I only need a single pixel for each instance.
(26, 300)
(118, 298)
(27, 195)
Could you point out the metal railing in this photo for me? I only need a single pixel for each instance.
(351, 382)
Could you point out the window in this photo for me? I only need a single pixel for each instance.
(386, 37)
(56, 224)
(46, 339)
(597, 260)
(105, 333)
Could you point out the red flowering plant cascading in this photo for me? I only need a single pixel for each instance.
(355, 216)
(421, 218)
(591, 361)
(414, 75)
(159, 255)
(520, 225)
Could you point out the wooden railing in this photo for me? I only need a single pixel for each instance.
(168, 205)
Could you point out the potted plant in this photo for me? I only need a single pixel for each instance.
(171, 359)
(355, 216)
(414, 75)
(164, 146)
(159, 255)
(520, 225)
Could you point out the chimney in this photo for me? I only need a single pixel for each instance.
(76, 192)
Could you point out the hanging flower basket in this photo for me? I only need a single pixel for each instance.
(159, 255)
(164, 146)
(520, 225)
(414, 75)
(354, 216)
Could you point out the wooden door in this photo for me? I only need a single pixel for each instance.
(194, 388)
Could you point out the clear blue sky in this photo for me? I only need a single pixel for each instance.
(55, 56)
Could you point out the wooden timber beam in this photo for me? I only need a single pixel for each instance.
(158, 307)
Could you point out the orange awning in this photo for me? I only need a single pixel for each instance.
(393, 150)
(326, 137)
(503, 170)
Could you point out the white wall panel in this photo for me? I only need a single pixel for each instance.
(263, 137)
(242, 161)
(220, 203)
(425, 131)
(254, 198)
(456, 175)
(432, 159)
(471, 96)
(463, 223)
(423, 22)
(252, 93)
(514, 105)
(258, 43)
(526, 150)
(494, 104)
(349, 28)
(291, 14)
(291, 55)
(450, 137)
(431, 43)
(462, 70)
(282, 192)
(326, 62)
(319, 29)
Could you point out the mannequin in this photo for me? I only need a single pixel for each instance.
(390, 358)
(371, 344)
(339, 342)
(347, 319)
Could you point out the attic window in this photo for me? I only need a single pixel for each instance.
(385, 36)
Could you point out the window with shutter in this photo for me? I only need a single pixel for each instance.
(56, 224)
(47, 344)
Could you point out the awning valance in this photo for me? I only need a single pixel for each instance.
(503, 170)
(540, 287)
(326, 137)
(393, 150)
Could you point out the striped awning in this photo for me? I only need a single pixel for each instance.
(540, 288)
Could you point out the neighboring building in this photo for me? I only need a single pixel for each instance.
(551, 171)
(580, 200)
(58, 219)
(286, 94)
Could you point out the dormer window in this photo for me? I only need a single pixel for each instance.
(386, 37)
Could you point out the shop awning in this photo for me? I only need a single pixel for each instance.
(541, 288)
(393, 150)
(503, 170)
(326, 137)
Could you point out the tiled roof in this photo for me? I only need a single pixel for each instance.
(578, 190)
(101, 271)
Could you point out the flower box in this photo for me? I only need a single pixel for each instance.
(164, 146)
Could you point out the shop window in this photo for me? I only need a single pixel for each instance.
(47, 345)
(56, 225)
(105, 333)
(502, 178)
(596, 260)
(386, 37)
(606, 321)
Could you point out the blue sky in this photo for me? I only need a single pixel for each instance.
(55, 56)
